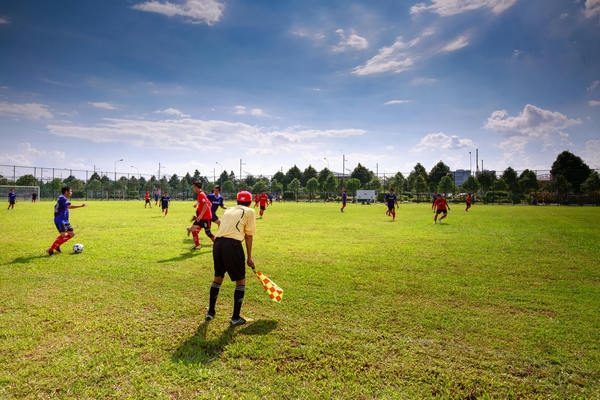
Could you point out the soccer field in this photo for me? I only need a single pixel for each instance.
(497, 302)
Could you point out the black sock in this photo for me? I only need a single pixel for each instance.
(238, 299)
(214, 293)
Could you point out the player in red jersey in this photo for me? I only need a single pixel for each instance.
(440, 206)
(147, 199)
(468, 202)
(203, 215)
(262, 200)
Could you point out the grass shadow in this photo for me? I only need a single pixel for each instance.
(198, 350)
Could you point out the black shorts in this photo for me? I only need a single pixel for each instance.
(229, 257)
(442, 211)
(203, 223)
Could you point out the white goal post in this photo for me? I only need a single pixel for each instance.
(24, 193)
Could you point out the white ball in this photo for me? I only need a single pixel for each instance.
(78, 248)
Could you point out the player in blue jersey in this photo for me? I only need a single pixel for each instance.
(392, 202)
(344, 199)
(61, 219)
(216, 201)
(12, 199)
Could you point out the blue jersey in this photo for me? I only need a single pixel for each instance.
(164, 201)
(390, 200)
(61, 210)
(215, 201)
(344, 197)
(12, 198)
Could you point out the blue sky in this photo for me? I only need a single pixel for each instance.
(266, 85)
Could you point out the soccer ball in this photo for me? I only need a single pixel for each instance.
(78, 248)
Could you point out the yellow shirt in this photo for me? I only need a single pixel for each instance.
(237, 222)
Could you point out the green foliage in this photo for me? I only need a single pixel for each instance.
(352, 185)
(499, 302)
(572, 168)
(446, 185)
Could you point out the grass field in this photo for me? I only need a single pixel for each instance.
(500, 302)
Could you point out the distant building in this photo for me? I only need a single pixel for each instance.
(460, 176)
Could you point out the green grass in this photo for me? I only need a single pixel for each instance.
(499, 302)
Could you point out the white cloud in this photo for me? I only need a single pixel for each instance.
(392, 102)
(256, 112)
(352, 42)
(592, 153)
(26, 154)
(194, 134)
(423, 81)
(447, 8)
(103, 105)
(594, 103)
(593, 86)
(174, 112)
(441, 141)
(532, 125)
(198, 11)
(26, 110)
(4, 20)
(592, 8)
(456, 44)
(392, 59)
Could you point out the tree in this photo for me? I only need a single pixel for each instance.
(509, 176)
(228, 187)
(308, 174)
(398, 183)
(418, 171)
(436, 174)
(486, 180)
(572, 168)
(592, 183)
(362, 174)
(312, 186)
(330, 184)
(471, 185)
(293, 173)
(352, 185)
(528, 181)
(260, 185)
(276, 186)
(446, 185)
(27, 180)
(294, 187)
(374, 184)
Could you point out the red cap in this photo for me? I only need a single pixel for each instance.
(244, 197)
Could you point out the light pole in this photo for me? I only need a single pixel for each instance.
(138, 171)
(115, 170)
(470, 165)
(327, 161)
(220, 180)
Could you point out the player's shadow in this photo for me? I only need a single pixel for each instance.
(198, 350)
(187, 255)
(28, 259)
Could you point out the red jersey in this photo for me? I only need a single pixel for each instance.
(262, 199)
(203, 202)
(440, 203)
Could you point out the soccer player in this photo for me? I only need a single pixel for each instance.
(440, 206)
(237, 225)
(262, 199)
(61, 220)
(156, 197)
(12, 199)
(468, 202)
(392, 202)
(147, 198)
(216, 201)
(165, 199)
(344, 199)
(203, 216)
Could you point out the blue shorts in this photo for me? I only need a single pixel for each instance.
(63, 226)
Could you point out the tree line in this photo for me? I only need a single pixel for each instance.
(569, 175)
